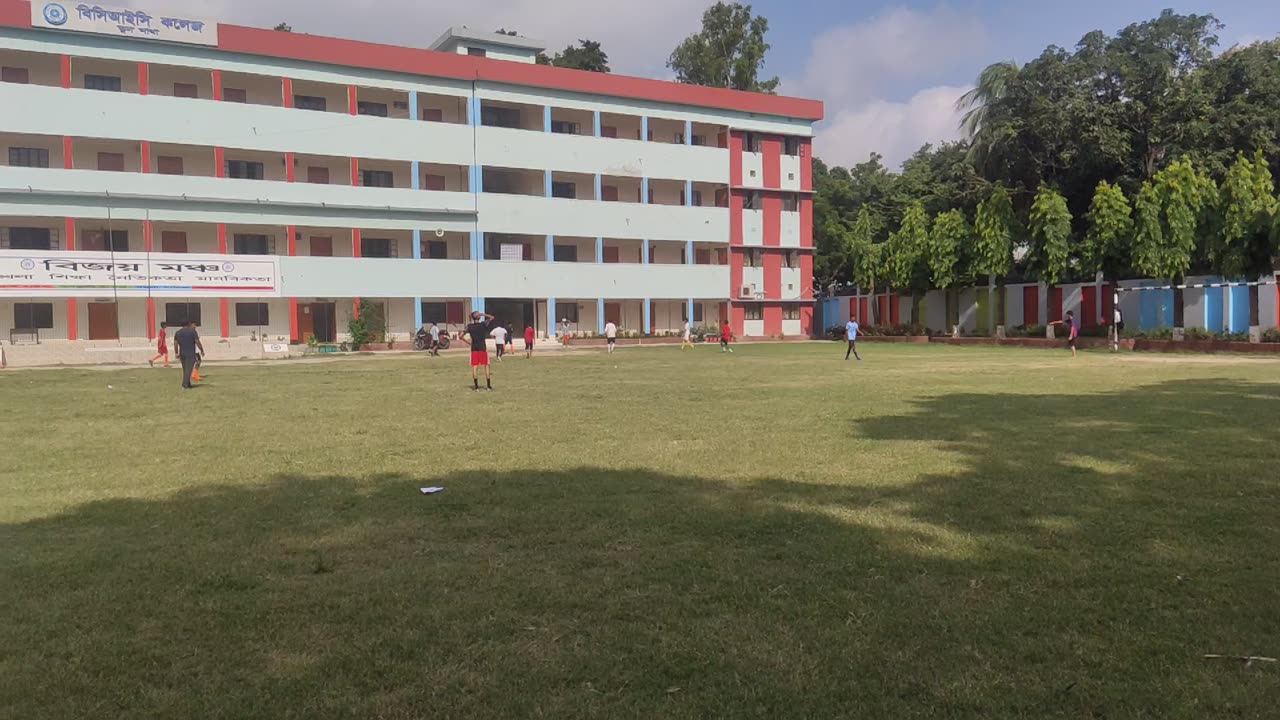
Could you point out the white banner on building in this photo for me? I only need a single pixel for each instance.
(28, 273)
(82, 17)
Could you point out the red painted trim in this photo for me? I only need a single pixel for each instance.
(69, 233)
(292, 240)
(1031, 305)
(806, 320)
(64, 66)
(68, 159)
(355, 172)
(772, 320)
(355, 308)
(806, 277)
(806, 164)
(355, 240)
(771, 161)
(224, 319)
(771, 220)
(71, 319)
(143, 79)
(217, 84)
(151, 318)
(351, 100)
(148, 234)
(219, 162)
(286, 92)
(806, 223)
(293, 320)
(895, 305)
(1055, 303)
(145, 150)
(69, 243)
(772, 262)
(288, 175)
(222, 238)
(737, 320)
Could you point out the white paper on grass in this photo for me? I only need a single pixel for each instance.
(430, 490)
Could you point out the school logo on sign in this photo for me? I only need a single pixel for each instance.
(55, 14)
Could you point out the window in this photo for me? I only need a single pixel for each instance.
(252, 244)
(433, 114)
(568, 311)
(173, 241)
(751, 258)
(608, 131)
(112, 162)
(235, 95)
(437, 250)
(318, 175)
(186, 90)
(679, 138)
(33, 316)
(378, 247)
(791, 146)
(321, 246)
(14, 75)
(109, 83)
(177, 313)
(697, 312)
(566, 253)
(377, 178)
(476, 52)
(169, 165)
(500, 117)
(701, 257)
(790, 312)
(101, 240)
(790, 203)
(609, 193)
(434, 312)
(433, 182)
(564, 190)
(699, 140)
(791, 259)
(252, 313)
(752, 143)
(245, 170)
(27, 238)
(310, 102)
(376, 109)
(28, 157)
(751, 201)
(752, 312)
(697, 198)
(565, 127)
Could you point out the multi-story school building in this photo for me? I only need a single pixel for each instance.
(261, 183)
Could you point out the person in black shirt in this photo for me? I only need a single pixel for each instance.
(478, 331)
(187, 341)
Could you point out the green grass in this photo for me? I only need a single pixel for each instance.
(932, 533)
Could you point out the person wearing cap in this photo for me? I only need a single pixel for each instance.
(478, 332)
(566, 331)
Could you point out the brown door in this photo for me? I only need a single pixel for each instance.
(613, 313)
(609, 193)
(305, 325)
(433, 114)
(102, 322)
(321, 246)
(173, 241)
(318, 175)
(609, 131)
(93, 240)
(610, 253)
(702, 257)
(433, 182)
(111, 161)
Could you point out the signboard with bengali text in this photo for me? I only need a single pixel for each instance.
(122, 22)
(37, 273)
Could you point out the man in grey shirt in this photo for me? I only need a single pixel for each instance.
(187, 341)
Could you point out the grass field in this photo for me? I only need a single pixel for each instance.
(932, 533)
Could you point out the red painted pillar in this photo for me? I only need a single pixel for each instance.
(351, 100)
(148, 241)
(355, 172)
(69, 242)
(64, 66)
(68, 162)
(355, 252)
(145, 148)
(224, 321)
(219, 162)
(288, 167)
(286, 92)
(292, 245)
(143, 79)
(216, 76)
(151, 318)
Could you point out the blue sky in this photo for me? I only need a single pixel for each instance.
(889, 72)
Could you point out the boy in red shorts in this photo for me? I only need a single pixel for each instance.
(479, 329)
(162, 346)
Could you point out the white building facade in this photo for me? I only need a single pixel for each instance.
(262, 183)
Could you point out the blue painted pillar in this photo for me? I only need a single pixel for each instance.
(688, 309)
(596, 123)
(599, 250)
(644, 129)
(551, 317)
(647, 317)
(644, 252)
(688, 252)
(477, 303)
(688, 132)
(644, 190)
(416, 180)
(417, 244)
(477, 245)
(417, 301)
(473, 111)
(600, 316)
(551, 248)
(688, 193)
(546, 118)
(413, 104)
(475, 179)
(599, 185)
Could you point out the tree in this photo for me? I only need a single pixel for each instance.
(588, 55)
(728, 52)
(865, 256)
(283, 27)
(992, 86)
(1170, 213)
(1244, 245)
(1109, 242)
(907, 256)
(951, 233)
(1050, 228)
(996, 227)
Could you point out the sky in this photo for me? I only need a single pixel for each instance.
(889, 72)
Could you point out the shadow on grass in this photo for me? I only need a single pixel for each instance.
(1040, 579)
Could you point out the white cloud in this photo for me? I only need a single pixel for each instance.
(893, 129)
(637, 36)
(860, 71)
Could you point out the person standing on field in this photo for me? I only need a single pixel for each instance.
(528, 341)
(162, 346)
(851, 334)
(435, 339)
(610, 335)
(1073, 330)
(566, 331)
(688, 335)
(478, 333)
(500, 341)
(187, 341)
(725, 336)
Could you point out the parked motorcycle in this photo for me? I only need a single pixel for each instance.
(422, 340)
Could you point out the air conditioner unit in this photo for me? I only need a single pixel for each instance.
(747, 292)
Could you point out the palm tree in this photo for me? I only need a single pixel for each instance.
(993, 84)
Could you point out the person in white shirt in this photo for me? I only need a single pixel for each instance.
(566, 331)
(611, 334)
(500, 339)
(435, 339)
(688, 335)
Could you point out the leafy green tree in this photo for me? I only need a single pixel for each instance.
(907, 256)
(996, 228)
(1108, 247)
(587, 55)
(992, 86)
(1050, 228)
(727, 52)
(1243, 87)
(1244, 245)
(283, 27)
(1170, 212)
(951, 233)
(865, 256)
